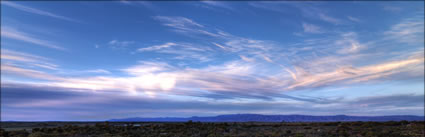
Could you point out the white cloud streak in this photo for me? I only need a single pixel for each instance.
(410, 30)
(12, 33)
(5, 68)
(157, 47)
(354, 19)
(218, 4)
(349, 43)
(37, 11)
(310, 28)
(329, 19)
(118, 43)
(28, 60)
(99, 71)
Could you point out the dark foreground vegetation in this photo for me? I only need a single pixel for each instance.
(197, 129)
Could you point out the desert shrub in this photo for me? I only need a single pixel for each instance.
(18, 133)
(249, 129)
(299, 135)
(288, 131)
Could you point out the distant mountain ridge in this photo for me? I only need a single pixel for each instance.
(275, 118)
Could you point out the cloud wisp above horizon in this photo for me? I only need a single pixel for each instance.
(278, 58)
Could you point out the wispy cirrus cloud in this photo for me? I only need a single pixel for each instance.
(354, 19)
(178, 22)
(27, 72)
(246, 58)
(147, 4)
(37, 11)
(329, 19)
(182, 51)
(187, 26)
(26, 59)
(12, 33)
(309, 10)
(392, 8)
(359, 74)
(349, 43)
(157, 47)
(20, 56)
(310, 28)
(117, 43)
(271, 6)
(409, 30)
(99, 71)
(227, 41)
(218, 4)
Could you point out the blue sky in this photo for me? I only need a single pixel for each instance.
(103, 60)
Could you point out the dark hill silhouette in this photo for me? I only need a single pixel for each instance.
(276, 118)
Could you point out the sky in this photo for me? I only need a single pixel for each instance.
(88, 60)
